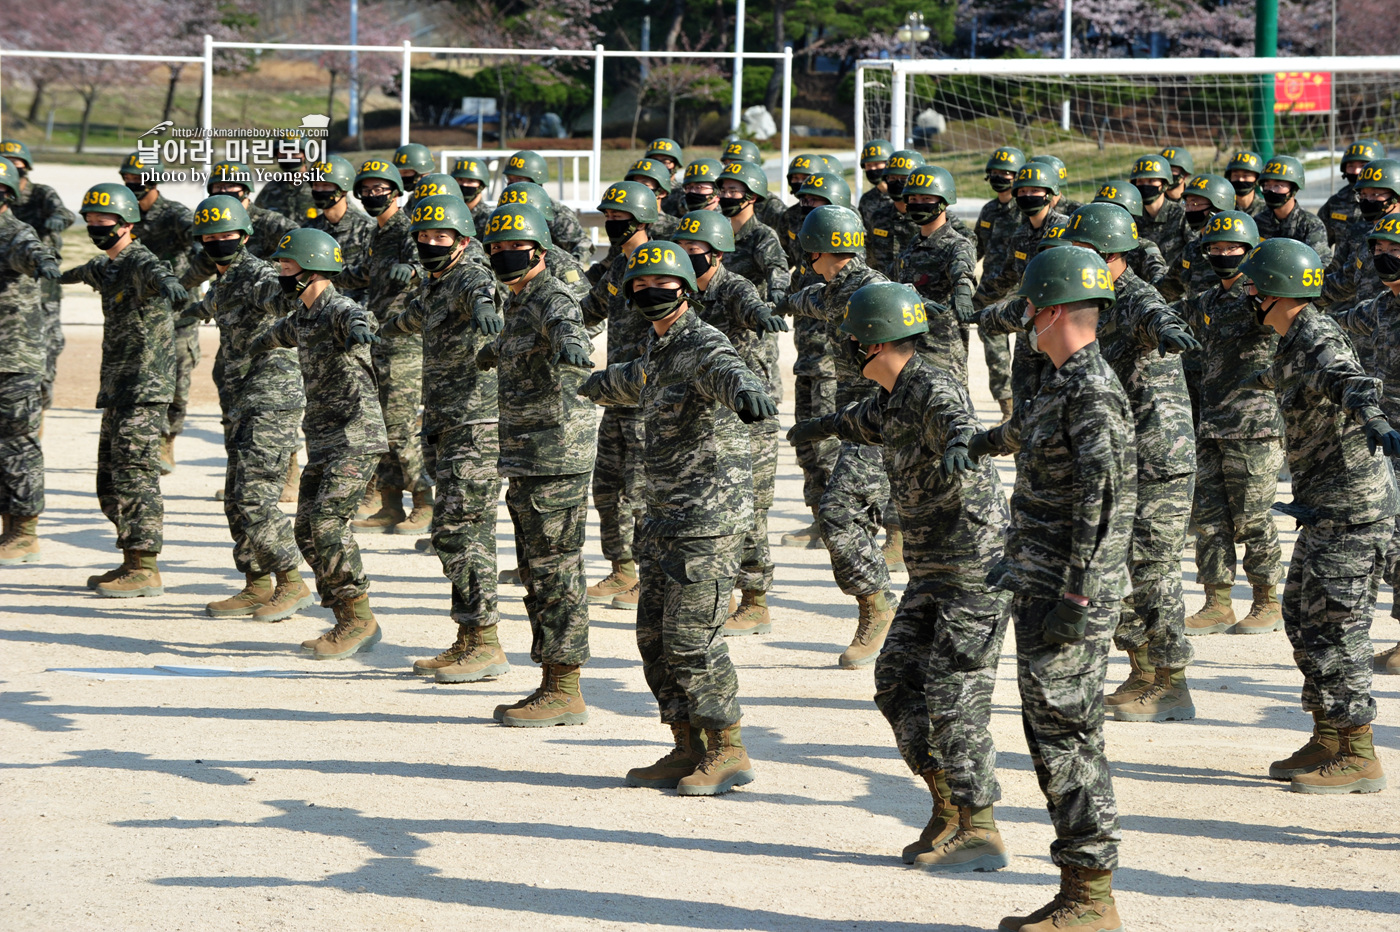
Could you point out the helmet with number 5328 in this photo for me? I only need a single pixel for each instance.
(441, 212)
(883, 312)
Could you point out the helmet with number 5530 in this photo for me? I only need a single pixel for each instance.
(659, 257)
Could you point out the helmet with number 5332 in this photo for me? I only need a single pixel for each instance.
(313, 250)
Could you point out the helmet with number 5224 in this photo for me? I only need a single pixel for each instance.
(883, 312)
(526, 164)
(1067, 275)
(313, 250)
(631, 197)
(220, 214)
(1284, 268)
(441, 212)
(832, 229)
(706, 226)
(1125, 196)
(106, 198)
(1108, 228)
(659, 257)
(1231, 226)
(434, 184)
(831, 188)
(517, 223)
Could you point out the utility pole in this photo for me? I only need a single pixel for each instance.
(1064, 108)
(1265, 46)
(354, 122)
(736, 112)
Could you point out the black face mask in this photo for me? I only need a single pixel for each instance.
(1387, 266)
(655, 303)
(1031, 203)
(23, 172)
(1149, 192)
(1198, 218)
(857, 355)
(1350, 176)
(375, 204)
(695, 201)
(1242, 187)
(139, 189)
(795, 186)
(410, 182)
(894, 187)
(1225, 265)
(293, 284)
(1256, 301)
(924, 213)
(807, 209)
(620, 231)
(1372, 209)
(469, 191)
(324, 200)
(434, 256)
(290, 166)
(873, 175)
(225, 249)
(512, 264)
(104, 237)
(701, 262)
(1000, 184)
(732, 206)
(1277, 198)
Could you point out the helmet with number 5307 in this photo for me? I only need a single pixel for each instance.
(883, 312)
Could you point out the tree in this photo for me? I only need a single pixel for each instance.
(330, 24)
(180, 28)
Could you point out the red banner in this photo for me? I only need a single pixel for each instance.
(1303, 92)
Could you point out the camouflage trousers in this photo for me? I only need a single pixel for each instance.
(816, 397)
(21, 456)
(1392, 568)
(398, 367)
(684, 602)
(1154, 614)
(996, 350)
(850, 511)
(1236, 482)
(934, 679)
(619, 481)
(330, 492)
(186, 359)
(128, 474)
(464, 519)
(51, 300)
(756, 566)
(1327, 603)
(549, 514)
(1062, 714)
(258, 448)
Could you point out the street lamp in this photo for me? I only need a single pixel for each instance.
(910, 35)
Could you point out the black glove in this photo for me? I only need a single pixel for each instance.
(966, 314)
(55, 224)
(956, 460)
(1380, 434)
(361, 334)
(980, 445)
(401, 273)
(487, 321)
(1175, 340)
(1261, 380)
(1305, 517)
(174, 292)
(262, 343)
(768, 322)
(755, 406)
(1066, 622)
(592, 386)
(808, 431)
(48, 268)
(571, 354)
(486, 357)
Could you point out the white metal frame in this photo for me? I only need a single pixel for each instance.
(584, 198)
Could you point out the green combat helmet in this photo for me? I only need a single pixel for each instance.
(470, 168)
(105, 198)
(833, 229)
(876, 150)
(1364, 150)
(229, 172)
(382, 170)
(704, 171)
(631, 197)
(749, 175)
(831, 188)
(1055, 236)
(1245, 161)
(1037, 175)
(1229, 226)
(1107, 228)
(659, 257)
(9, 177)
(1155, 167)
(527, 192)
(803, 165)
(1061, 172)
(313, 250)
(1386, 230)
(517, 222)
(653, 169)
(134, 164)
(884, 312)
(1067, 275)
(901, 163)
(337, 171)
(14, 150)
(1214, 188)
(1179, 158)
(742, 150)
(1126, 196)
(526, 164)
(1284, 168)
(220, 214)
(932, 179)
(1006, 159)
(663, 148)
(415, 158)
(435, 184)
(442, 212)
(1284, 268)
(1383, 174)
(706, 226)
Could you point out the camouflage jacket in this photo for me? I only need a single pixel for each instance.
(353, 233)
(343, 417)
(546, 429)
(1375, 325)
(1300, 225)
(1193, 275)
(687, 384)
(1339, 211)
(1020, 248)
(674, 202)
(481, 217)
(870, 205)
(245, 300)
(954, 527)
(769, 212)
(1255, 208)
(731, 305)
(22, 345)
(941, 267)
(1168, 230)
(1075, 497)
(268, 230)
(1351, 277)
(788, 229)
(826, 301)
(165, 230)
(890, 232)
(390, 244)
(1129, 336)
(1232, 343)
(35, 205)
(1326, 399)
(759, 257)
(627, 330)
(563, 266)
(455, 391)
(1147, 263)
(995, 224)
(568, 234)
(138, 331)
(290, 199)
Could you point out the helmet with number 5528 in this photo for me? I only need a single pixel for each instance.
(517, 222)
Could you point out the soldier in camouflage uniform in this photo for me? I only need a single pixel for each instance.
(669, 153)
(564, 227)
(656, 176)
(1351, 277)
(1280, 184)
(1340, 210)
(40, 206)
(1146, 261)
(234, 179)
(1242, 171)
(934, 678)
(1345, 501)
(548, 437)
(262, 399)
(136, 387)
(996, 221)
(730, 303)
(290, 198)
(940, 265)
(473, 177)
(696, 395)
(387, 272)
(757, 256)
(1183, 167)
(25, 262)
(344, 432)
(1141, 337)
(1060, 201)
(1206, 196)
(412, 161)
(874, 157)
(1066, 566)
(889, 230)
(1163, 220)
(1239, 441)
(351, 228)
(559, 263)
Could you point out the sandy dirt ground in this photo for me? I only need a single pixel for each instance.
(162, 770)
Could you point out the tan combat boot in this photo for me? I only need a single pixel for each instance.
(424, 545)
(389, 514)
(809, 536)
(676, 765)
(420, 518)
(481, 656)
(167, 454)
(289, 596)
(725, 765)
(1138, 681)
(503, 708)
(1264, 616)
(430, 665)
(944, 821)
(893, 551)
(750, 616)
(372, 501)
(1354, 769)
(20, 541)
(1006, 405)
(622, 578)
(257, 591)
(293, 483)
(1387, 662)
(140, 578)
(1217, 615)
(1320, 749)
(628, 598)
(559, 701)
(355, 631)
(975, 846)
(1168, 699)
(1084, 903)
(876, 613)
(95, 581)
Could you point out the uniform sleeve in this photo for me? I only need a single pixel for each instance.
(1339, 281)
(347, 314)
(1334, 371)
(25, 250)
(594, 306)
(1098, 485)
(1149, 320)
(1359, 317)
(994, 287)
(1154, 265)
(861, 423)
(805, 302)
(774, 262)
(721, 375)
(745, 306)
(85, 274)
(963, 272)
(948, 418)
(562, 323)
(1315, 235)
(54, 207)
(155, 273)
(282, 333)
(1005, 316)
(621, 384)
(409, 320)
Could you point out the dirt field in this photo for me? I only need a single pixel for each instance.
(185, 773)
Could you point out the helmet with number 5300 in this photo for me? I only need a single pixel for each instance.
(1284, 268)
(441, 212)
(1067, 275)
(883, 312)
(659, 257)
(313, 250)
(832, 229)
